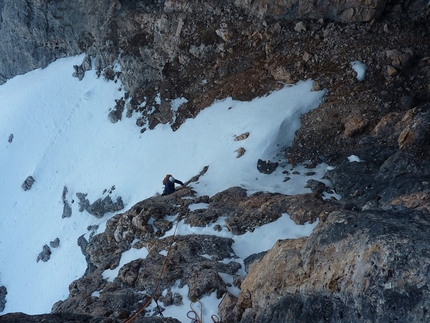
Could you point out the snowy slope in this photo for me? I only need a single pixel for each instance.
(62, 137)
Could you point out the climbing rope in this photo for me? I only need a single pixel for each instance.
(215, 318)
(193, 315)
(198, 318)
(149, 300)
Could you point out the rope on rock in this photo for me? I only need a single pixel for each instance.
(193, 315)
(149, 300)
(198, 318)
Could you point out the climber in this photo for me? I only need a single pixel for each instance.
(169, 184)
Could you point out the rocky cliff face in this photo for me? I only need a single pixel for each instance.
(367, 259)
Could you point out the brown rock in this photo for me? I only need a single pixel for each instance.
(355, 267)
(280, 269)
(417, 131)
(304, 208)
(240, 152)
(385, 126)
(226, 309)
(282, 73)
(391, 70)
(243, 136)
(416, 201)
(354, 126)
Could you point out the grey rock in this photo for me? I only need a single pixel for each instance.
(385, 174)
(83, 243)
(45, 254)
(84, 203)
(3, 293)
(163, 225)
(266, 166)
(55, 243)
(317, 186)
(9, 140)
(81, 69)
(349, 11)
(116, 114)
(67, 210)
(300, 26)
(99, 207)
(28, 183)
(105, 205)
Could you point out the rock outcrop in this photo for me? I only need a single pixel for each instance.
(194, 260)
(200, 51)
(369, 266)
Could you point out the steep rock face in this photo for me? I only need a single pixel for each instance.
(193, 260)
(355, 267)
(398, 173)
(343, 11)
(168, 49)
(35, 33)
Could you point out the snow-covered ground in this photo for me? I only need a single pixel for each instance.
(63, 138)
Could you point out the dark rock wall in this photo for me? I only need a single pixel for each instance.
(151, 35)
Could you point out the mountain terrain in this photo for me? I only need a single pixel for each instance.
(367, 259)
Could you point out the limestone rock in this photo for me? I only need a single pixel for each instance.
(282, 73)
(324, 277)
(226, 309)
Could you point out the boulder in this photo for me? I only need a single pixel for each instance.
(266, 166)
(45, 254)
(28, 183)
